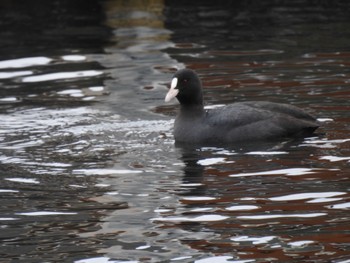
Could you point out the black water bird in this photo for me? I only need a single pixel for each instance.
(237, 122)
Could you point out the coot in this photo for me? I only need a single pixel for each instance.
(237, 122)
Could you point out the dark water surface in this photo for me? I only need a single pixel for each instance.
(89, 171)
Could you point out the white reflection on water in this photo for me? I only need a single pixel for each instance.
(181, 258)
(334, 158)
(323, 143)
(105, 171)
(9, 99)
(23, 180)
(142, 247)
(62, 75)
(303, 196)
(344, 261)
(323, 200)
(266, 153)
(13, 74)
(102, 260)
(254, 240)
(70, 132)
(241, 207)
(45, 213)
(288, 171)
(275, 216)
(24, 62)
(39, 120)
(44, 125)
(8, 191)
(73, 57)
(211, 161)
(300, 243)
(198, 198)
(340, 206)
(202, 218)
(72, 92)
(222, 259)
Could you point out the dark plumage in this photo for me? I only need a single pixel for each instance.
(242, 121)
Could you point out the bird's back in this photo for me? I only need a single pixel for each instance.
(247, 121)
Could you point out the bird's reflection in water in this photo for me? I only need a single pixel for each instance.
(213, 200)
(193, 171)
(201, 162)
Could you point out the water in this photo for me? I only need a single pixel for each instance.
(89, 169)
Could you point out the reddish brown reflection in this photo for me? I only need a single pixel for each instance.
(323, 226)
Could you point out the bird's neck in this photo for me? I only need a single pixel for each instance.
(192, 110)
(191, 99)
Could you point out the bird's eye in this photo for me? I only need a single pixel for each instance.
(185, 80)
